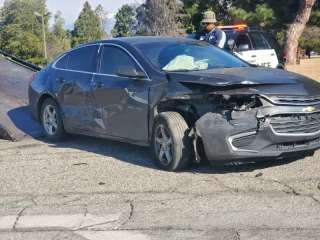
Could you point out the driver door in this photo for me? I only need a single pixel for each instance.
(120, 104)
(247, 54)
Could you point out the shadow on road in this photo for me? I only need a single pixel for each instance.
(141, 156)
(22, 124)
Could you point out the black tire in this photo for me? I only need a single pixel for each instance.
(58, 133)
(181, 144)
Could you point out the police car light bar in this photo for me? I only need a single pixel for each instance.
(239, 27)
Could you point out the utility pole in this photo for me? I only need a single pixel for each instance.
(44, 34)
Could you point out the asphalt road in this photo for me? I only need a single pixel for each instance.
(87, 188)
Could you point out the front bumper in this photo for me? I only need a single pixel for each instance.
(251, 136)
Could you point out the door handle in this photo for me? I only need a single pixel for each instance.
(253, 55)
(60, 80)
(272, 54)
(98, 85)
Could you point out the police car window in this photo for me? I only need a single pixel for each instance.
(243, 39)
(273, 43)
(113, 57)
(83, 59)
(259, 42)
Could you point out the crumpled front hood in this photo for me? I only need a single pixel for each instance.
(264, 80)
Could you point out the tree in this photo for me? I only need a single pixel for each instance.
(262, 17)
(21, 31)
(296, 28)
(57, 28)
(58, 41)
(124, 21)
(163, 17)
(140, 26)
(194, 10)
(103, 17)
(87, 27)
(286, 19)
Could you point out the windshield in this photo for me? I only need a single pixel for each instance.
(187, 55)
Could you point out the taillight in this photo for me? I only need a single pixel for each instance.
(285, 53)
(31, 80)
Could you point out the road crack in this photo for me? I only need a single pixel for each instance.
(316, 200)
(292, 190)
(225, 186)
(84, 216)
(19, 215)
(238, 235)
(34, 202)
(128, 216)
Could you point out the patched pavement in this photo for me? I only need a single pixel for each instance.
(87, 188)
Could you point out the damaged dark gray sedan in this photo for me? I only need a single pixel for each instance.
(185, 99)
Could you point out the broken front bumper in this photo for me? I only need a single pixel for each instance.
(272, 132)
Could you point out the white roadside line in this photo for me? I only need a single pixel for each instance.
(112, 235)
(7, 222)
(91, 227)
(56, 222)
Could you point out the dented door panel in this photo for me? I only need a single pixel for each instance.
(72, 94)
(120, 107)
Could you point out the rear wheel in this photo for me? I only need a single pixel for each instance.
(171, 146)
(51, 121)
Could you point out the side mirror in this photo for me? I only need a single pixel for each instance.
(242, 47)
(129, 71)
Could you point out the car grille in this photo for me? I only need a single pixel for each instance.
(294, 100)
(296, 123)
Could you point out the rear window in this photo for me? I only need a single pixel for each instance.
(83, 59)
(62, 63)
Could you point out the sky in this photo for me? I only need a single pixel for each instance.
(71, 8)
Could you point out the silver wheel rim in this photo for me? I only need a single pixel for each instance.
(50, 121)
(163, 142)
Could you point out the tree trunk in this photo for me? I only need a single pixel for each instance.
(295, 30)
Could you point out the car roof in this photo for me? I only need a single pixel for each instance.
(140, 39)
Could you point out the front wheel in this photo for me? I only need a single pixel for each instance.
(171, 146)
(51, 121)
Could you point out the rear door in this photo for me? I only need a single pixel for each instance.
(72, 80)
(120, 104)
(265, 55)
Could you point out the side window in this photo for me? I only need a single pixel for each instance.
(259, 42)
(62, 63)
(243, 39)
(83, 59)
(113, 57)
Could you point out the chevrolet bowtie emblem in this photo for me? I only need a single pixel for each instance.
(309, 109)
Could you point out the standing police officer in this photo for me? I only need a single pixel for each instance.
(211, 34)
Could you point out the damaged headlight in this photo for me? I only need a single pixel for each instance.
(236, 102)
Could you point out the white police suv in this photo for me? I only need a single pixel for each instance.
(254, 46)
